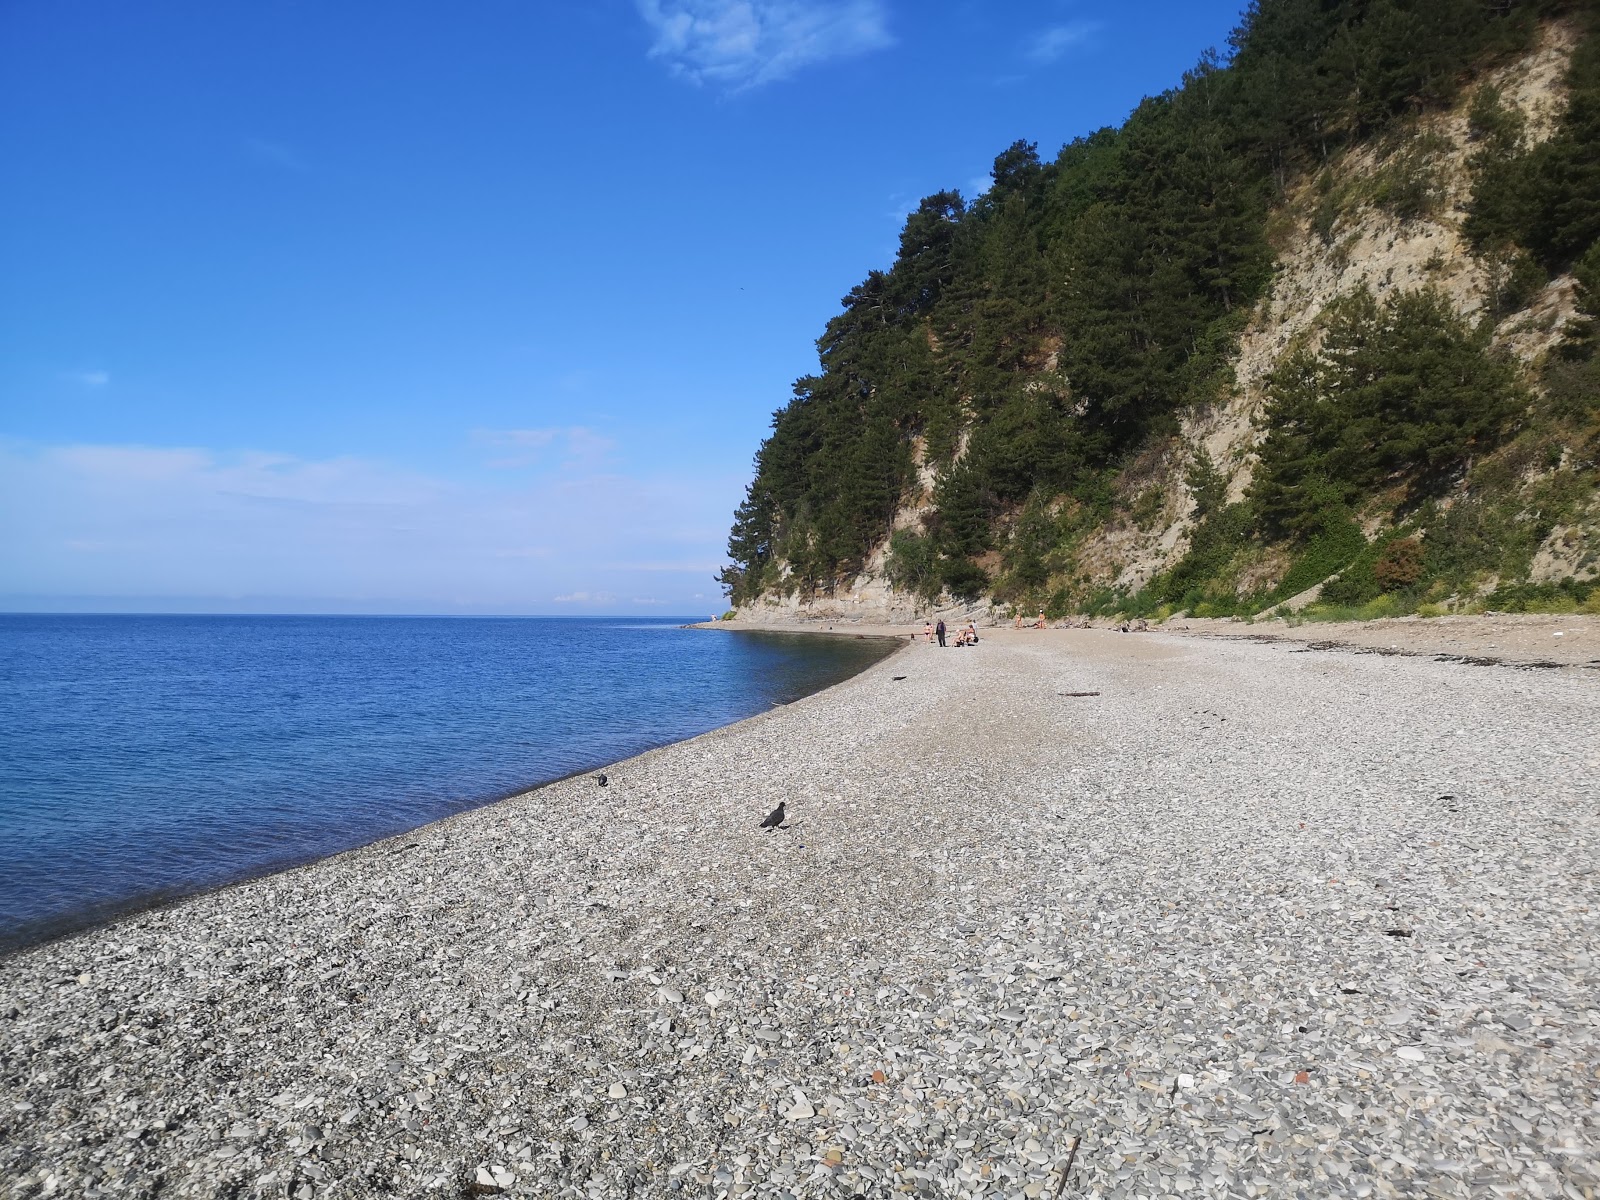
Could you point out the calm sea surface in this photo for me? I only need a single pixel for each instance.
(143, 757)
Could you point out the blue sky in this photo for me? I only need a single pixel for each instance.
(482, 308)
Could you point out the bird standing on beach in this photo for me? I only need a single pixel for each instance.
(774, 818)
(601, 779)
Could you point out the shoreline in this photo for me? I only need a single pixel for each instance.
(1487, 639)
(1006, 914)
(108, 913)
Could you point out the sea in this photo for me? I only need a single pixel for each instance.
(144, 758)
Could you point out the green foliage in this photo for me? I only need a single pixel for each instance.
(1563, 190)
(1404, 390)
(963, 579)
(1407, 184)
(1514, 279)
(1583, 332)
(1206, 484)
(1498, 208)
(1492, 125)
(1355, 586)
(1028, 552)
(1547, 199)
(1572, 394)
(1147, 506)
(1067, 314)
(1191, 581)
(1566, 595)
(1332, 540)
(913, 564)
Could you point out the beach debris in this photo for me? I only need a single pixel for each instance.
(492, 1180)
(775, 818)
(898, 678)
(1077, 693)
(1066, 1167)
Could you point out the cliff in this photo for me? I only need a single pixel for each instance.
(1349, 365)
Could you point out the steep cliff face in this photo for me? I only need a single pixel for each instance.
(1388, 216)
(1367, 247)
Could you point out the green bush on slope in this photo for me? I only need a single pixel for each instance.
(1064, 317)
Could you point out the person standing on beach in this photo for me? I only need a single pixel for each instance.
(939, 629)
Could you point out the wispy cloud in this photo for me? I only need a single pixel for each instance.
(1048, 45)
(740, 44)
(525, 552)
(128, 520)
(690, 567)
(275, 154)
(572, 445)
(89, 379)
(651, 600)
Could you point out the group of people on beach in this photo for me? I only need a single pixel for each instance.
(964, 637)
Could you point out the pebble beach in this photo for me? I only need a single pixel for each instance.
(1070, 913)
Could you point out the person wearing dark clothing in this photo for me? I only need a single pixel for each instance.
(939, 629)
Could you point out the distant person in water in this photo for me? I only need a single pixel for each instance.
(939, 630)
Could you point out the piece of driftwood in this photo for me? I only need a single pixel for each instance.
(1072, 1154)
(1077, 693)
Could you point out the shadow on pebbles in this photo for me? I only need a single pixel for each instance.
(1244, 923)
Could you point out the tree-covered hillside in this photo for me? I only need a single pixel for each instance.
(1024, 347)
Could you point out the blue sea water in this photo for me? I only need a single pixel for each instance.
(144, 757)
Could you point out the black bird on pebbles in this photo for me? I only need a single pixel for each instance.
(775, 818)
(601, 779)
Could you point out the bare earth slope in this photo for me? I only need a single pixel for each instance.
(1245, 922)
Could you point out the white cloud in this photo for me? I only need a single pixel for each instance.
(132, 521)
(1050, 44)
(89, 379)
(696, 567)
(739, 44)
(575, 445)
(648, 601)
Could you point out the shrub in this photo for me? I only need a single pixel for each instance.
(1147, 508)
(1206, 484)
(1566, 595)
(1401, 389)
(1399, 566)
(1407, 185)
(963, 578)
(911, 564)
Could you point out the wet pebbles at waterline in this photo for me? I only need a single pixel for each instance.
(1245, 923)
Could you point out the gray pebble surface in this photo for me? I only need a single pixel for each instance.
(1246, 923)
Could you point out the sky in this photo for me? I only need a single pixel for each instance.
(478, 308)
